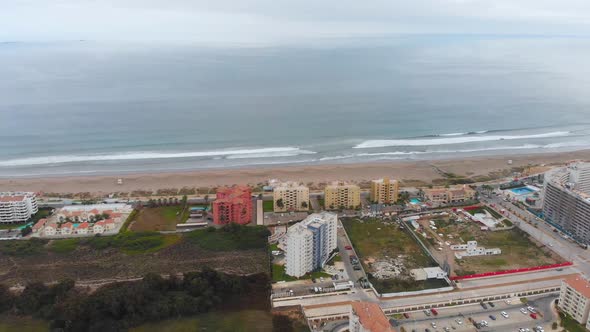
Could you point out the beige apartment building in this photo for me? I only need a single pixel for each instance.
(456, 194)
(340, 195)
(384, 191)
(290, 196)
(574, 298)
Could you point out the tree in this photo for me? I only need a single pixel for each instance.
(280, 204)
(304, 204)
(26, 231)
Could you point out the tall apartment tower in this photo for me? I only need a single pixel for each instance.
(384, 191)
(310, 242)
(340, 195)
(17, 207)
(290, 196)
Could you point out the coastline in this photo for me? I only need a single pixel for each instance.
(412, 172)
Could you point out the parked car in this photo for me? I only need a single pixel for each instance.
(348, 247)
(531, 309)
(492, 304)
(504, 314)
(433, 324)
(523, 310)
(434, 312)
(406, 315)
(492, 317)
(459, 321)
(426, 312)
(483, 305)
(507, 301)
(533, 315)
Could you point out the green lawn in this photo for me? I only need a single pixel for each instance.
(570, 324)
(279, 274)
(30, 247)
(173, 213)
(13, 323)
(268, 206)
(134, 242)
(63, 246)
(230, 237)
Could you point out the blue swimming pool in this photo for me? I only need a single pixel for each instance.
(522, 190)
(414, 201)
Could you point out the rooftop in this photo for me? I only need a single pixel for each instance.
(371, 317)
(12, 198)
(578, 283)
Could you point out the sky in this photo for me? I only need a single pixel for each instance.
(279, 21)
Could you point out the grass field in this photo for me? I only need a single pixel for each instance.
(268, 206)
(375, 240)
(238, 321)
(158, 219)
(235, 249)
(12, 323)
(518, 250)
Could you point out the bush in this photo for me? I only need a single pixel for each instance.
(33, 246)
(230, 237)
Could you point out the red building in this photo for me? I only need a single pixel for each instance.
(233, 205)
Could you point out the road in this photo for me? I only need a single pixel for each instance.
(544, 233)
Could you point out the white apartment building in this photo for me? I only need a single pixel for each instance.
(17, 207)
(290, 196)
(309, 243)
(574, 298)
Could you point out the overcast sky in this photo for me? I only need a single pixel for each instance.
(280, 21)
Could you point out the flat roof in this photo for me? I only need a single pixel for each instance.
(578, 283)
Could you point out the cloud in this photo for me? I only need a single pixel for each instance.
(271, 21)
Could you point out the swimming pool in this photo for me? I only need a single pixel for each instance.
(414, 201)
(522, 190)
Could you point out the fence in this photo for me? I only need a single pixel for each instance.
(504, 272)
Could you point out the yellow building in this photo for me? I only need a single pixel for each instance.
(456, 194)
(384, 191)
(290, 196)
(340, 195)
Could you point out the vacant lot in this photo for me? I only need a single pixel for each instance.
(381, 245)
(133, 254)
(158, 219)
(518, 250)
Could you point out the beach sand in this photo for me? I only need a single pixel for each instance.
(413, 173)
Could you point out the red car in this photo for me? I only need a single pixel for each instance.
(534, 315)
(434, 312)
(407, 315)
(348, 247)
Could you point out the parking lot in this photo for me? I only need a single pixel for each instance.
(457, 318)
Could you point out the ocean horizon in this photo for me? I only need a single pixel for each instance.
(76, 108)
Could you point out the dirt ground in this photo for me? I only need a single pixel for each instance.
(86, 264)
(518, 249)
(156, 219)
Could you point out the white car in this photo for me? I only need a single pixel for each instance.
(531, 309)
(433, 325)
(504, 314)
(459, 321)
(523, 310)
(507, 301)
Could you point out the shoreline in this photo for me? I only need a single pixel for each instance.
(412, 172)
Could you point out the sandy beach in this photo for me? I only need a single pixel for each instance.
(411, 172)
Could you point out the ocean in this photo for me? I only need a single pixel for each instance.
(83, 108)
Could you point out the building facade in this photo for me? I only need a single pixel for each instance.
(452, 195)
(17, 207)
(290, 196)
(574, 298)
(339, 195)
(384, 191)
(566, 200)
(233, 204)
(309, 243)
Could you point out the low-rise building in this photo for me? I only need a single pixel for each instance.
(290, 196)
(50, 229)
(471, 249)
(39, 225)
(452, 195)
(342, 196)
(98, 227)
(574, 298)
(368, 317)
(83, 228)
(384, 191)
(17, 207)
(66, 228)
